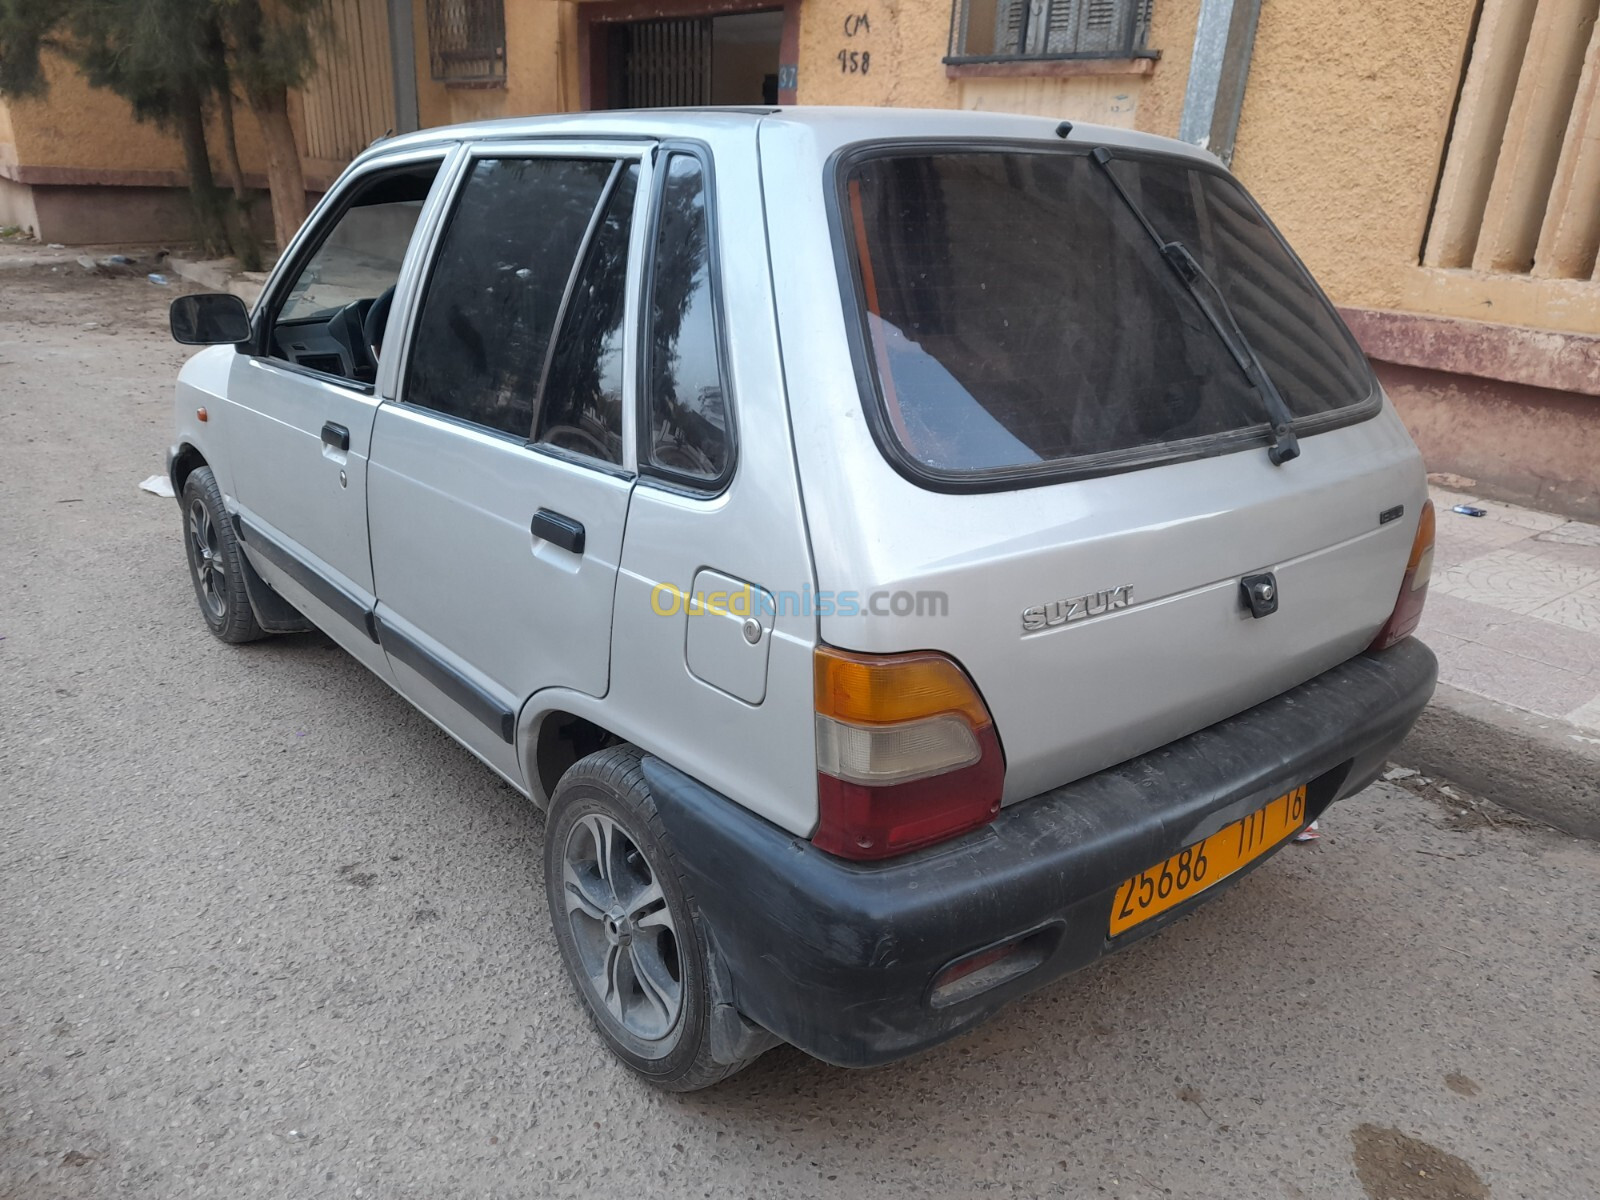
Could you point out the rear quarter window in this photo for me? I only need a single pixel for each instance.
(1019, 322)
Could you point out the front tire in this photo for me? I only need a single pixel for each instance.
(628, 930)
(216, 563)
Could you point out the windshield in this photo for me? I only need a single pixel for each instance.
(1020, 316)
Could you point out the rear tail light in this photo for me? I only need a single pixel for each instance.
(1407, 612)
(906, 753)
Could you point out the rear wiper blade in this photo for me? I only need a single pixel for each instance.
(1280, 423)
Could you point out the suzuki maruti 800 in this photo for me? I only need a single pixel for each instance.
(908, 555)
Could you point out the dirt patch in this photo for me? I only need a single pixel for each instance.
(1463, 811)
(1461, 1085)
(351, 873)
(126, 305)
(1392, 1166)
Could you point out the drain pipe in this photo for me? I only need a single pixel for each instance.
(403, 65)
(1223, 42)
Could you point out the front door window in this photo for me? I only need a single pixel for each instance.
(334, 316)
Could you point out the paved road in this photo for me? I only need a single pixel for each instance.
(265, 932)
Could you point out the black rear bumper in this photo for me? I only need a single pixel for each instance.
(838, 958)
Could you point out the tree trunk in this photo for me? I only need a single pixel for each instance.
(241, 224)
(230, 142)
(190, 120)
(284, 176)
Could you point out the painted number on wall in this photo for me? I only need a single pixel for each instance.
(856, 62)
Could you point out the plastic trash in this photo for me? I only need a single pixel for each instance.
(121, 260)
(158, 279)
(158, 485)
(1466, 510)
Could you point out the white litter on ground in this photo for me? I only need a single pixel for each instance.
(158, 485)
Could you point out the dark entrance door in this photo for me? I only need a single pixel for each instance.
(693, 61)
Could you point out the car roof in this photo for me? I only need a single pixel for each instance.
(828, 126)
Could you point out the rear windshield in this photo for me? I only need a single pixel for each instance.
(1020, 318)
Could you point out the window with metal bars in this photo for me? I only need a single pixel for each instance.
(467, 40)
(995, 30)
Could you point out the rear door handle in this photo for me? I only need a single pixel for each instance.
(558, 530)
(336, 436)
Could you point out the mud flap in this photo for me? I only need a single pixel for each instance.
(273, 613)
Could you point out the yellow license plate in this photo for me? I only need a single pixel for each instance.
(1195, 868)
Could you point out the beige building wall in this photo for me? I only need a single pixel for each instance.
(541, 68)
(91, 129)
(1341, 137)
(1343, 129)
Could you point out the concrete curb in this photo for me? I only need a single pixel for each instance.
(1533, 765)
(21, 263)
(219, 275)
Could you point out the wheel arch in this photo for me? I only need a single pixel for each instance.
(556, 735)
(186, 459)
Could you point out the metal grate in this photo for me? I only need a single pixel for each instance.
(668, 63)
(1001, 29)
(467, 40)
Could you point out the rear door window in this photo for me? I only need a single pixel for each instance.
(1020, 321)
(502, 270)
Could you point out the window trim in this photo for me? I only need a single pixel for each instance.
(619, 168)
(697, 486)
(618, 152)
(310, 238)
(1043, 474)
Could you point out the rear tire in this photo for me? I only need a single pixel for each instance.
(216, 563)
(628, 929)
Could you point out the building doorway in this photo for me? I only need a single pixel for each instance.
(693, 59)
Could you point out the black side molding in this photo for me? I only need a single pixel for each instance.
(492, 710)
(340, 599)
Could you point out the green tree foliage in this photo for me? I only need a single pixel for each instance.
(173, 60)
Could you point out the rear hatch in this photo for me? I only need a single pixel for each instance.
(1087, 425)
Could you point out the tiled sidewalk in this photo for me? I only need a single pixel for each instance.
(1514, 608)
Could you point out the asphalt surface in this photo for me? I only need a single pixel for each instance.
(264, 931)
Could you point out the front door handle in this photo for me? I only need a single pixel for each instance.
(336, 436)
(558, 530)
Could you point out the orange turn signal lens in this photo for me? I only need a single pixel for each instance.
(886, 689)
(1422, 544)
(907, 754)
(1402, 622)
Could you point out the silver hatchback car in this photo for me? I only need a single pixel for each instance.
(909, 555)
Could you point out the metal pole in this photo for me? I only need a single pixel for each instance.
(1223, 43)
(403, 66)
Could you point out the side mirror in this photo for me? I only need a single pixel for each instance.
(209, 319)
